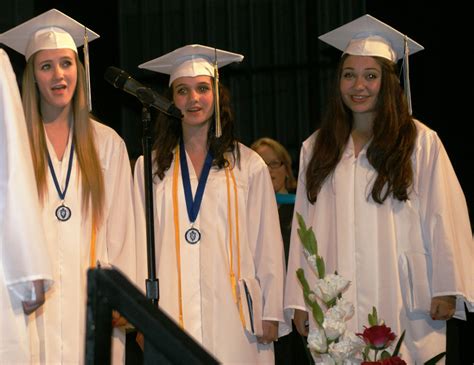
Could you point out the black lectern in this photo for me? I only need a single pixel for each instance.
(165, 342)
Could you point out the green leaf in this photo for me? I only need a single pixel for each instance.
(399, 344)
(365, 354)
(373, 318)
(308, 239)
(317, 313)
(321, 267)
(435, 359)
(385, 355)
(370, 320)
(307, 236)
(316, 310)
(331, 303)
(302, 279)
(302, 235)
(313, 245)
(301, 222)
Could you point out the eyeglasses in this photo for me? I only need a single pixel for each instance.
(275, 164)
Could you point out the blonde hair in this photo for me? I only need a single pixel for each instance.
(282, 155)
(93, 191)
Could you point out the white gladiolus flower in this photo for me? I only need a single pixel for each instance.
(356, 342)
(340, 351)
(342, 311)
(347, 348)
(330, 287)
(323, 359)
(333, 328)
(317, 340)
(330, 343)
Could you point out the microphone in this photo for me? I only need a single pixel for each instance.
(122, 80)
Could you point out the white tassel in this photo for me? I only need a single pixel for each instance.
(406, 74)
(217, 112)
(87, 68)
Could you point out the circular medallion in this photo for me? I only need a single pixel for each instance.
(63, 213)
(192, 235)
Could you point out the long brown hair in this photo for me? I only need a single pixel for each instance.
(93, 192)
(394, 134)
(168, 132)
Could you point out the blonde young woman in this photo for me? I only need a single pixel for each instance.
(83, 180)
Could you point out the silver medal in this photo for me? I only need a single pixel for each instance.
(63, 213)
(192, 236)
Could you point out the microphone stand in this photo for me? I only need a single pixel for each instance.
(145, 95)
(152, 285)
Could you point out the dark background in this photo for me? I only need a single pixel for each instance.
(280, 88)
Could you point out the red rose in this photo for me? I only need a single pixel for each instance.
(396, 360)
(377, 337)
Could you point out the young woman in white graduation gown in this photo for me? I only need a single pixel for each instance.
(84, 184)
(230, 236)
(381, 195)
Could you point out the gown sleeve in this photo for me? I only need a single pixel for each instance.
(140, 223)
(23, 253)
(120, 221)
(293, 291)
(266, 244)
(445, 224)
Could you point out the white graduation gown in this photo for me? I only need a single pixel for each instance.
(23, 253)
(210, 314)
(397, 255)
(58, 329)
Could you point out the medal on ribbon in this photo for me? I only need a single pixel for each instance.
(193, 235)
(63, 212)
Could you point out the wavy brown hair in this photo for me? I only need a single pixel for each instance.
(168, 132)
(93, 192)
(389, 152)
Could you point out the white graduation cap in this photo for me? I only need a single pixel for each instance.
(191, 60)
(50, 30)
(368, 36)
(194, 60)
